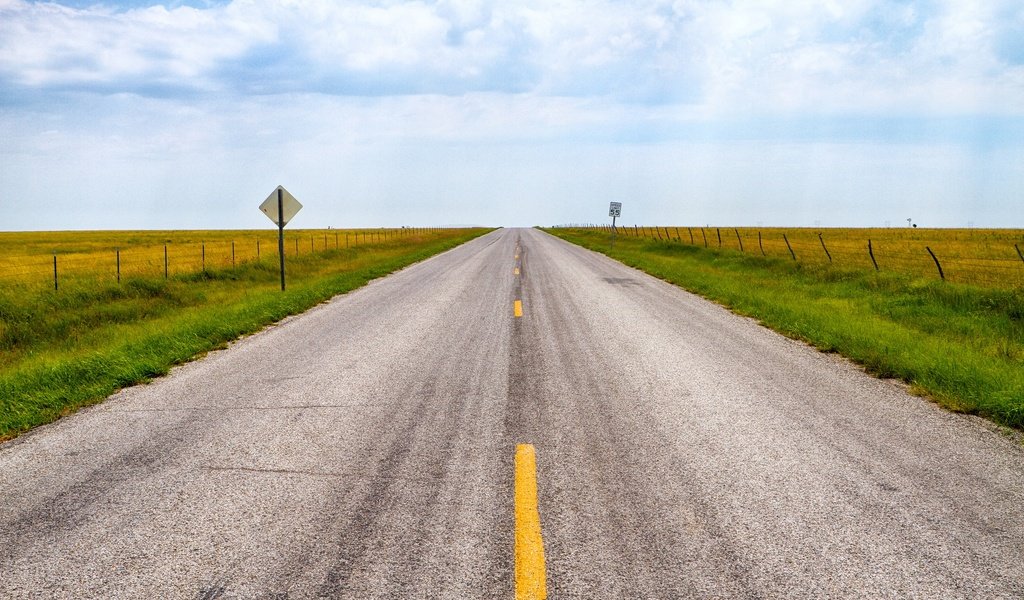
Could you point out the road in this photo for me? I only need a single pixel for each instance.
(368, 449)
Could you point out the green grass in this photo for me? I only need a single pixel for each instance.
(63, 350)
(960, 345)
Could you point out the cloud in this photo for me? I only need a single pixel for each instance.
(770, 55)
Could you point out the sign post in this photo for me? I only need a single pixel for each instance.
(280, 207)
(614, 211)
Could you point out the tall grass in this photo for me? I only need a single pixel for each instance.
(961, 345)
(60, 350)
(985, 257)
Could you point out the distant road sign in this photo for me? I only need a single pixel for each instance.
(289, 206)
(615, 209)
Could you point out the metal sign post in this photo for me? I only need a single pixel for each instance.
(614, 211)
(280, 207)
(280, 231)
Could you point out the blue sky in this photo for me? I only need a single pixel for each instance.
(124, 115)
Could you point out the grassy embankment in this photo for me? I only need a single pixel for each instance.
(61, 350)
(961, 345)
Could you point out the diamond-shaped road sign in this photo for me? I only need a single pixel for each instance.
(289, 206)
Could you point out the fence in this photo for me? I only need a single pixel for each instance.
(81, 260)
(991, 258)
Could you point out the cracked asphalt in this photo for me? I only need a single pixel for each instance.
(365, 450)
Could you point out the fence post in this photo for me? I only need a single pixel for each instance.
(791, 253)
(1017, 248)
(312, 248)
(822, 240)
(232, 254)
(705, 236)
(719, 231)
(55, 272)
(257, 249)
(942, 275)
(165, 261)
(739, 239)
(296, 245)
(759, 244)
(202, 248)
(871, 253)
(690, 231)
(117, 252)
(658, 231)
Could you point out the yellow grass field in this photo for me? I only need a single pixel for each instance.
(982, 257)
(27, 258)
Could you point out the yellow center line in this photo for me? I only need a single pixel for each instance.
(531, 581)
(517, 308)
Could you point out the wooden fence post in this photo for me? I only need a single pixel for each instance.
(117, 252)
(822, 240)
(55, 272)
(942, 275)
(871, 253)
(690, 231)
(719, 231)
(1017, 248)
(705, 236)
(759, 244)
(739, 239)
(165, 261)
(791, 253)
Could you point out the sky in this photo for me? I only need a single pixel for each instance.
(816, 113)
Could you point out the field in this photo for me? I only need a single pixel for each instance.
(959, 341)
(28, 258)
(983, 257)
(97, 331)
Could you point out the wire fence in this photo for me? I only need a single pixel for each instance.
(970, 257)
(81, 262)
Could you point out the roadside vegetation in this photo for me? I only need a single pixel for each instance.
(66, 348)
(959, 344)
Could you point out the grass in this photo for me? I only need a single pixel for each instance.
(27, 257)
(984, 257)
(61, 350)
(962, 345)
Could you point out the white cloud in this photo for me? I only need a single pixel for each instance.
(767, 55)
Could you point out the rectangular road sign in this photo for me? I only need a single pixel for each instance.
(290, 206)
(615, 209)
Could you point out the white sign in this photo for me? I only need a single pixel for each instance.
(615, 209)
(289, 206)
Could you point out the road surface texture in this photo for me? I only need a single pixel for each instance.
(365, 450)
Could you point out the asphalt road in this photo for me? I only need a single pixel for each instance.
(365, 450)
